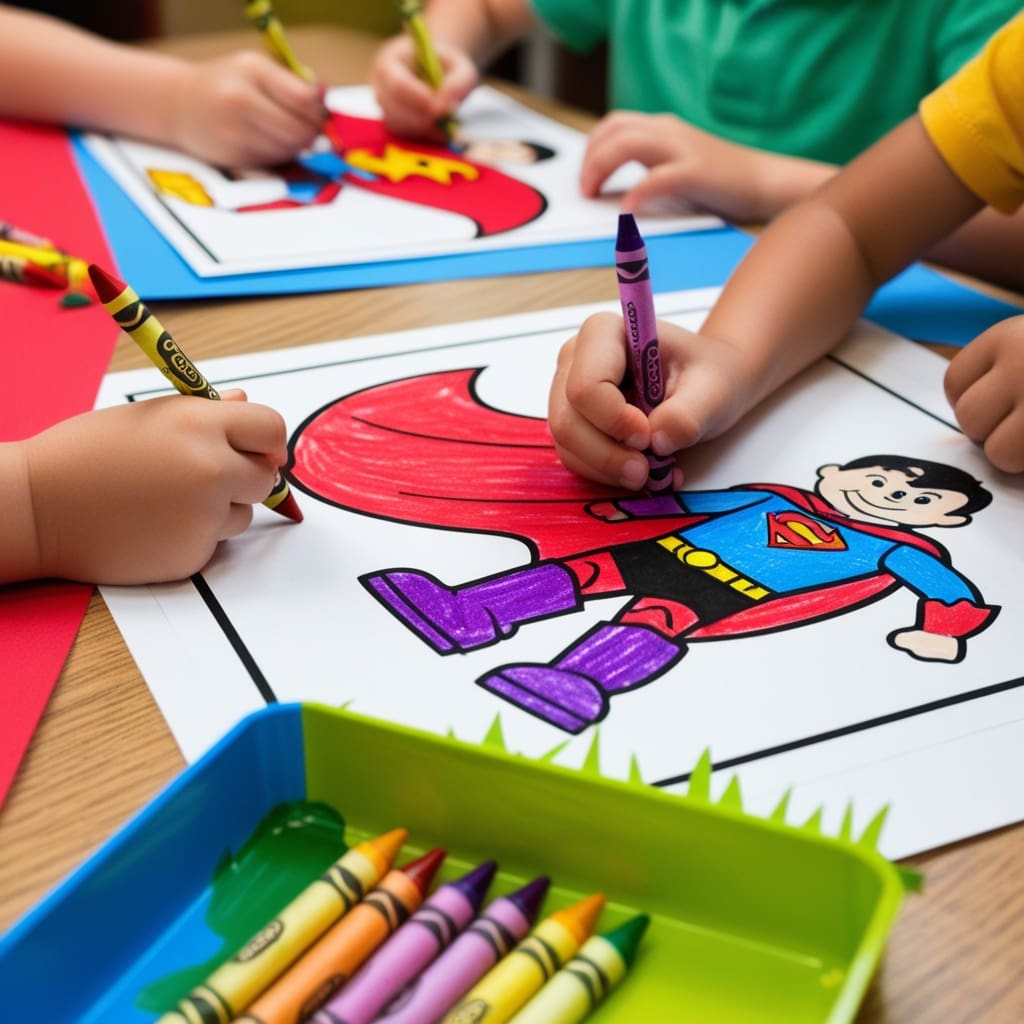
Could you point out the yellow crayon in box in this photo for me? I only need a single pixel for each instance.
(276, 946)
(507, 986)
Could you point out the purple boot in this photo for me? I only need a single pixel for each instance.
(476, 614)
(574, 690)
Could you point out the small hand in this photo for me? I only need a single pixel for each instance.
(144, 492)
(985, 386)
(246, 110)
(411, 107)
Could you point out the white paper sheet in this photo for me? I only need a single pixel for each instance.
(443, 203)
(828, 707)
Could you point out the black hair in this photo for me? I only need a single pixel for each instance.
(539, 151)
(931, 474)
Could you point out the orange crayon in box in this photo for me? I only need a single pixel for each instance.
(325, 967)
(132, 315)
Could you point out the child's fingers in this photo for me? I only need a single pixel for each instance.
(258, 430)
(966, 367)
(1004, 446)
(982, 406)
(295, 96)
(236, 521)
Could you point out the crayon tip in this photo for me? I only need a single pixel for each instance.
(629, 237)
(289, 508)
(107, 286)
(422, 870)
(626, 938)
(474, 884)
(529, 898)
(383, 849)
(580, 917)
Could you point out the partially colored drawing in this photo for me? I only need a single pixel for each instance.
(692, 566)
(466, 183)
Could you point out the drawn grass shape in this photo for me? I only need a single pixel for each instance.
(699, 789)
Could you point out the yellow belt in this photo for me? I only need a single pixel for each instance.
(710, 564)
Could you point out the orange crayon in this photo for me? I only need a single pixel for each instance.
(326, 966)
(132, 315)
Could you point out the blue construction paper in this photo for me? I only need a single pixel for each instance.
(919, 303)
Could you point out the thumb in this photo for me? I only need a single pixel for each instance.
(234, 395)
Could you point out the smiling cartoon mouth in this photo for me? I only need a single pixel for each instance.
(850, 495)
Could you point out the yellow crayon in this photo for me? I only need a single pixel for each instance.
(261, 14)
(576, 990)
(132, 315)
(276, 946)
(50, 258)
(507, 986)
(411, 12)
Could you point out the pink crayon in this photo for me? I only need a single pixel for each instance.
(419, 941)
(503, 924)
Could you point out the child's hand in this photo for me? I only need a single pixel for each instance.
(410, 106)
(728, 179)
(143, 493)
(985, 386)
(598, 434)
(245, 110)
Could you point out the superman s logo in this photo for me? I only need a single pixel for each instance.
(795, 530)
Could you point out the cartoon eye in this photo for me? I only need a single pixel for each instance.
(878, 482)
(923, 500)
(899, 494)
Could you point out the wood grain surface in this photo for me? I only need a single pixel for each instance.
(103, 750)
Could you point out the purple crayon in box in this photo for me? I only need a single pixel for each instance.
(419, 941)
(503, 924)
(646, 387)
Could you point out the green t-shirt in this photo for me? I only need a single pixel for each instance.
(814, 78)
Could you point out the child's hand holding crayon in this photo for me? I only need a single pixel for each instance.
(245, 110)
(600, 435)
(137, 493)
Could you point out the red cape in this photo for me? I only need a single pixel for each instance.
(426, 450)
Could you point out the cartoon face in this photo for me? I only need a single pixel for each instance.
(872, 494)
(500, 151)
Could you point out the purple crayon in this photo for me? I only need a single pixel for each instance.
(644, 385)
(503, 924)
(419, 941)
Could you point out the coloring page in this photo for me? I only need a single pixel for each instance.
(364, 196)
(830, 604)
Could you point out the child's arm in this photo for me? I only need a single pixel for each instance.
(137, 493)
(752, 186)
(238, 110)
(467, 35)
(794, 296)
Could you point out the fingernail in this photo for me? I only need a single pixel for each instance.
(661, 443)
(677, 479)
(637, 441)
(634, 473)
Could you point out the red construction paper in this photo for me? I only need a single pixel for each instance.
(53, 359)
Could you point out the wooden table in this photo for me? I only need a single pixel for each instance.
(103, 749)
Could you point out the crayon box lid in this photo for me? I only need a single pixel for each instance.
(751, 920)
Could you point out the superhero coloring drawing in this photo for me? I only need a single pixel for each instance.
(828, 604)
(365, 195)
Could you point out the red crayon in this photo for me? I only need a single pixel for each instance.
(132, 315)
(332, 960)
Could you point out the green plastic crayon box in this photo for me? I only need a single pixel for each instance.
(752, 920)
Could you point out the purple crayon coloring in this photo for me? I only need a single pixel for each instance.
(419, 941)
(644, 385)
(503, 924)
